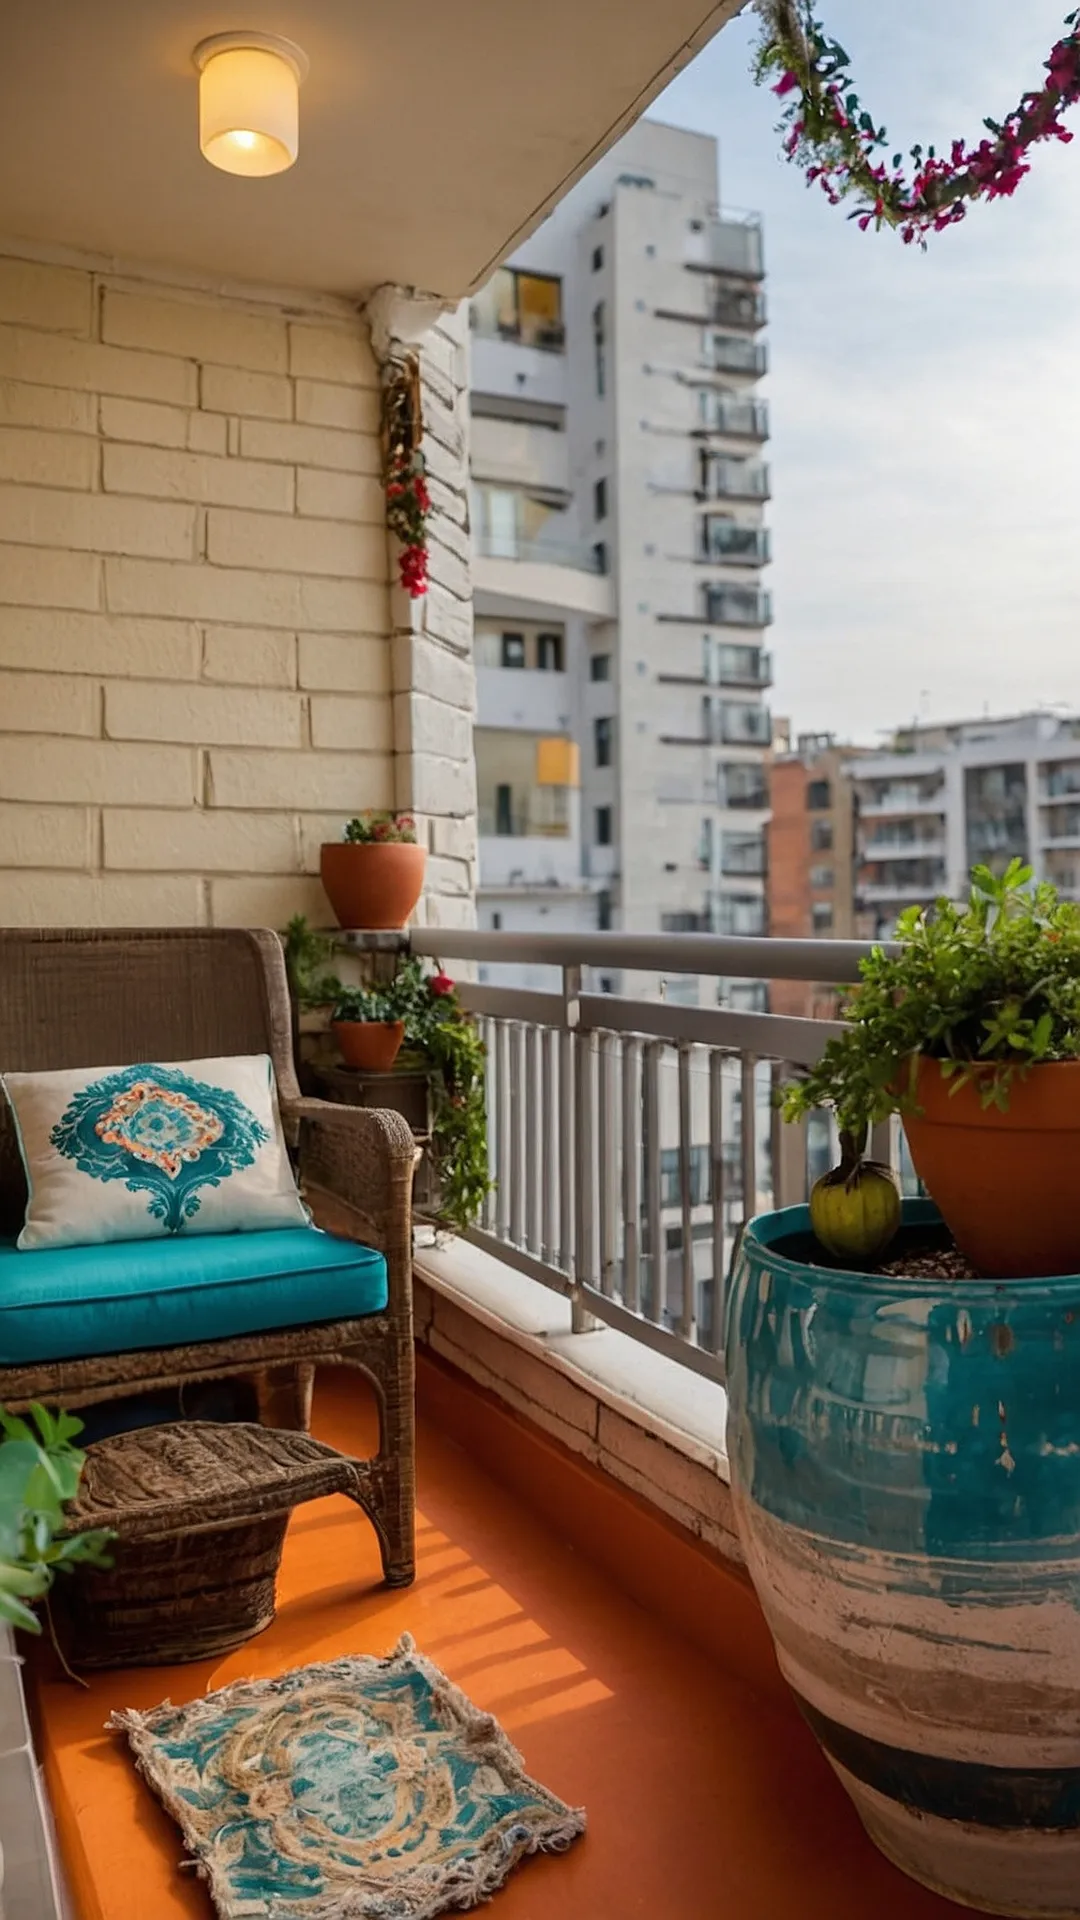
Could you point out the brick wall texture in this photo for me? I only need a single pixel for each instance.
(204, 666)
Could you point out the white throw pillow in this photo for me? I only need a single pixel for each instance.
(148, 1151)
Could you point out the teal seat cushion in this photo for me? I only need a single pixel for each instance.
(63, 1302)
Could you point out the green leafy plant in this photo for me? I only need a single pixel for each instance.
(441, 1037)
(380, 830)
(307, 958)
(40, 1472)
(990, 989)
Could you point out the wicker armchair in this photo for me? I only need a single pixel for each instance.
(87, 999)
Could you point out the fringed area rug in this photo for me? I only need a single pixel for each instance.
(363, 1789)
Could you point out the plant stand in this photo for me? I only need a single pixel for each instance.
(407, 1093)
(904, 1456)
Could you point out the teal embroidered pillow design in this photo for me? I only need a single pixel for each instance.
(123, 1153)
(159, 1130)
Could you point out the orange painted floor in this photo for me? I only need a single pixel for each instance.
(705, 1798)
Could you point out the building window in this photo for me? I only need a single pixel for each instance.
(522, 306)
(700, 1165)
(549, 652)
(496, 923)
(822, 877)
(513, 650)
(603, 912)
(746, 996)
(600, 666)
(821, 836)
(600, 556)
(603, 826)
(821, 916)
(600, 500)
(818, 796)
(599, 328)
(597, 259)
(705, 844)
(606, 983)
(504, 811)
(602, 735)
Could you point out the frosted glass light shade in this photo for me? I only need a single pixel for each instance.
(249, 107)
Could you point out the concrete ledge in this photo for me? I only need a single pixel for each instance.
(652, 1424)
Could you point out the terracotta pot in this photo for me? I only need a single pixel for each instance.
(373, 886)
(1004, 1182)
(372, 1045)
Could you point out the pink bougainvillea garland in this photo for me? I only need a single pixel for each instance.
(408, 501)
(839, 145)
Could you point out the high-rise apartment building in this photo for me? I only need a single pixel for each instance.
(619, 496)
(945, 798)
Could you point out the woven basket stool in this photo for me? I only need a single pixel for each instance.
(200, 1511)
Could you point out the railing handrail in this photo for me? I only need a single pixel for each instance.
(733, 956)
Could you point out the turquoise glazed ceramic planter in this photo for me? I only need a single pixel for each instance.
(905, 1460)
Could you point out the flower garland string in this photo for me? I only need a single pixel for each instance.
(408, 501)
(828, 132)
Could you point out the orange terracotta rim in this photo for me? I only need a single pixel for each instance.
(1044, 1100)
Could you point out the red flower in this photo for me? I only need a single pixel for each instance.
(786, 84)
(440, 984)
(421, 494)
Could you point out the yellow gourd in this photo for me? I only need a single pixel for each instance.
(855, 1209)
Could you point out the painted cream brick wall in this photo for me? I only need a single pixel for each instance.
(204, 668)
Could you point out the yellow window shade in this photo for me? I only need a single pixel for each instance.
(558, 763)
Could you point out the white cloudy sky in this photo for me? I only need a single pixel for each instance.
(926, 407)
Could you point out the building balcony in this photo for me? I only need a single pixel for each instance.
(730, 244)
(726, 543)
(749, 860)
(733, 479)
(523, 697)
(731, 353)
(899, 889)
(932, 848)
(737, 306)
(737, 607)
(735, 419)
(901, 802)
(743, 667)
(536, 576)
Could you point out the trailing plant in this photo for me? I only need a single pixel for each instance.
(441, 1036)
(40, 1471)
(408, 501)
(990, 989)
(830, 134)
(380, 830)
(307, 960)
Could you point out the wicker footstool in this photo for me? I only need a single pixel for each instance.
(200, 1509)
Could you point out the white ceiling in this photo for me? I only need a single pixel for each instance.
(433, 133)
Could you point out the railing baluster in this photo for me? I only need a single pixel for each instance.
(549, 1144)
(748, 1118)
(516, 1071)
(719, 1199)
(502, 1123)
(788, 1144)
(631, 1173)
(687, 1315)
(657, 1287)
(585, 1263)
(487, 1032)
(608, 1147)
(532, 1038)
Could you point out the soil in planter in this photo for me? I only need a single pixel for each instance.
(928, 1253)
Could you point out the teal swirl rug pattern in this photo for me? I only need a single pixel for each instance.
(362, 1789)
(162, 1133)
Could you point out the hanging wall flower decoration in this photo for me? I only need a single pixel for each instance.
(840, 146)
(408, 501)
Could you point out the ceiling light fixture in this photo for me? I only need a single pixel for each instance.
(249, 108)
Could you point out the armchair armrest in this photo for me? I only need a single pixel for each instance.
(356, 1167)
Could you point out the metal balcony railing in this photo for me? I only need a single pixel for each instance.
(737, 607)
(552, 553)
(731, 353)
(741, 419)
(724, 540)
(734, 480)
(629, 1138)
(733, 306)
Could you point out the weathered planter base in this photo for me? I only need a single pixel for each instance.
(962, 1863)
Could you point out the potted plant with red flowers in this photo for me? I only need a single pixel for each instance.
(416, 1022)
(374, 874)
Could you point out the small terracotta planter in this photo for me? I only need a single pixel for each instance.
(372, 885)
(1005, 1183)
(372, 1045)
